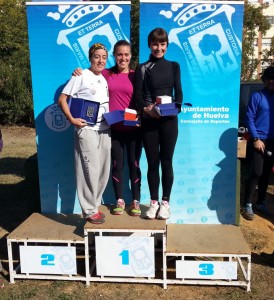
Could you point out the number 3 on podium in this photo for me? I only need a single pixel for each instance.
(206, 269)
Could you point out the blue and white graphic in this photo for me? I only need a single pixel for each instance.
(48, 259)
(103, 28)
(205, 39)
(60, 35)
(204, 270)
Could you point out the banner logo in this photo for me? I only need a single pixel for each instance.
(55, 119)
(208, 42)
(102, 26)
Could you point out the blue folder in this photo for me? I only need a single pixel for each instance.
(114, 117)
(84, 109)
(131, 123)
(167, 109)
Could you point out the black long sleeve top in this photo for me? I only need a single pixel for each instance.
(157, 77)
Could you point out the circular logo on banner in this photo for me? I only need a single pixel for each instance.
(55, 118)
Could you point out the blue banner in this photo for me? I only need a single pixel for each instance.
(205, 39)
(60, 35)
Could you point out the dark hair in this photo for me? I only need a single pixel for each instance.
(121, 43)
(268, 73)
(114, 69)
(157, 35)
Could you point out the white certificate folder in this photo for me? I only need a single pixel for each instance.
(84, 109)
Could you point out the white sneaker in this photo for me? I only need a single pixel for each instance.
(164, 212)
(151, 213)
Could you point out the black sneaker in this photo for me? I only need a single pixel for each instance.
(248, 212)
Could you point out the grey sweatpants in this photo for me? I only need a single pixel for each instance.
(92, 166)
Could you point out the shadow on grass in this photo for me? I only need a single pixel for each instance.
(19, 200)
(263, 259)
(13, 166)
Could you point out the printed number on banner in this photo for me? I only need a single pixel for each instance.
(125, 257)
(47, 260)
(206, 269)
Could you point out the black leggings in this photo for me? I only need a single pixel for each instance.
(261, 166)
(131, 140)
(159, 138)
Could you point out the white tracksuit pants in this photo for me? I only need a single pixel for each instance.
(92, 165)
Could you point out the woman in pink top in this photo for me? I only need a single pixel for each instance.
(123, 138)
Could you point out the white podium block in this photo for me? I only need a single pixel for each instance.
(125, 256)
(207, 258)
(126, 249)
(206, 270)
(48, 260)
(47, 246)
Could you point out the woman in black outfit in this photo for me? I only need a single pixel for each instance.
(158, 77)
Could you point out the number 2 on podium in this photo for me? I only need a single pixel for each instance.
(47, 260)
(125, 257)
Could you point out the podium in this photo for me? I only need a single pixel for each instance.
(128, 249)
(208, 255)
(45, 247)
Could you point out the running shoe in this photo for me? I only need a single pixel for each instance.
(101, 214)
(135, 210)
(151, 213)
(120, 207)
(164, 212)
(248, 212)
(96, 218)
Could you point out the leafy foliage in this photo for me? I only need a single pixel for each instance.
(15, 84)
(254, 22)
(268, 54)
(135, 31)
(16, 105)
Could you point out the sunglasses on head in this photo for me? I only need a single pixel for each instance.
(99, 46)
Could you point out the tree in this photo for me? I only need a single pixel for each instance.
(16, 106)
(210, 45)
(268, 54)
(135, 4)
(15, 83)
(254, 22)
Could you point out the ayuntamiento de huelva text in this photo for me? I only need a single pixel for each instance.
(209, 114)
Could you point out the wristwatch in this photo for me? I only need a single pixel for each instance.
(255, 140)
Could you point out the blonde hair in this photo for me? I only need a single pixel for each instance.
(95, 47)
